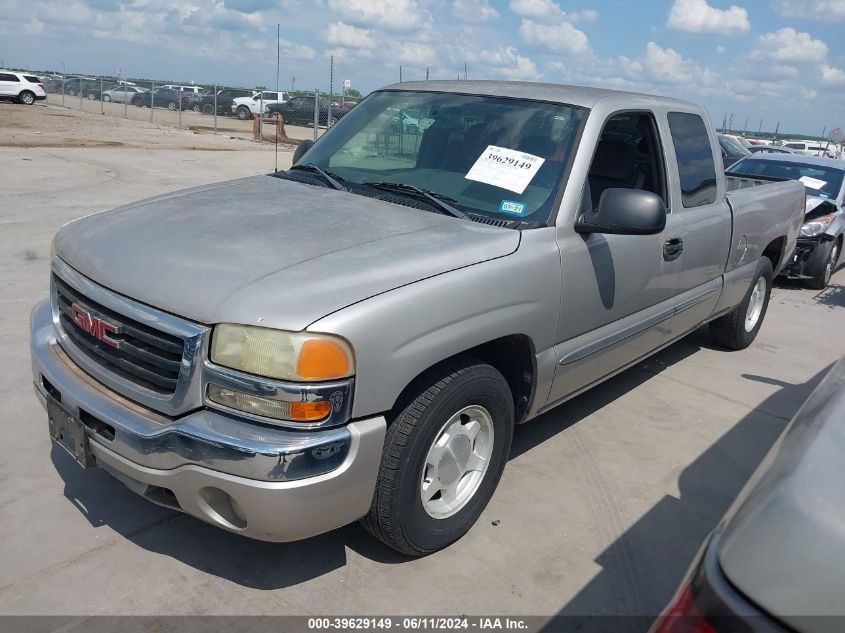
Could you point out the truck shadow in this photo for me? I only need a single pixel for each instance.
(643, 567)
(267, 566)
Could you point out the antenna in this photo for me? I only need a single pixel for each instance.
(278, 49)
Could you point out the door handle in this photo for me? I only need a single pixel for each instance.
(672, 249)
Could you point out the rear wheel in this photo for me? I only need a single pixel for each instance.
(26, 97)
(196, 108)
(444, 453)
(172, 105)
(827, 256)
(739, 327)
(92, 96)
(106, 98)
(244, 113)
(207, 108)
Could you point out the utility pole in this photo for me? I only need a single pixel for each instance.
(760, 129)
(426, 73)
(292, 83)
(777, 127)
(331, 92)
(400, 74)
(465, 70)
(745, 127)
(731, 123)
(824, 129)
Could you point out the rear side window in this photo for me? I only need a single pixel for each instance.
(31, 79)
(695, 159)
(8, 77)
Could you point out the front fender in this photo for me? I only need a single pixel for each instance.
(399, 334)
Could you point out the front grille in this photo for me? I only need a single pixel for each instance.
(145, 356)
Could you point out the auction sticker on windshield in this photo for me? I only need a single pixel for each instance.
(812, 183)
(506, 168)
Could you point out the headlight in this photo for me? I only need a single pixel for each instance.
(297, 356)
(817, 226)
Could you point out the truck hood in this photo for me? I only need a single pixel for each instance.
(269, 251)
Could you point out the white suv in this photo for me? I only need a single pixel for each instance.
(245, 107)
(23, 88)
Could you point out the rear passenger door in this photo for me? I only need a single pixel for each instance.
(698, 200)
(618, 292)
(8, 84)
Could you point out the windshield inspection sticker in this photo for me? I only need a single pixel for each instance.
(812, 183)
(505, 168)
(509, 206)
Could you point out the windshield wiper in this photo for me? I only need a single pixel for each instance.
(439, 200)
(330, 178)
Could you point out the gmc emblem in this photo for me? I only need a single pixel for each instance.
(94, 326)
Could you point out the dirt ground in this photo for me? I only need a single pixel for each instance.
(48, 124)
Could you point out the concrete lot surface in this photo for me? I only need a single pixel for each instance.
(601, 508)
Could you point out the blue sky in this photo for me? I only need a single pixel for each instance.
(776, 60)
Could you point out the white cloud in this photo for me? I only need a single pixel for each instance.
(831, 75)
(560, 38)
(666, 65)
(397, 15)
(583, 15)
(696, 16)
(474, 10)
(536, 9)
(413, 53)
(823, 10)
(506, 62)
(720, 50)
(348, 36)
(789, 45)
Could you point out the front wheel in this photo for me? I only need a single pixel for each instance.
(444, 453)
(27, 97)
(172, 106)
(827, 256)
(244, 113)
(739, 327)
(106, 98)
(92, 96)
(207, 108)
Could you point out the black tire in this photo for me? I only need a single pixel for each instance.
(397, 516)
(207, 108)
(106, 98)
(26, 97)
(92, 96)
(172, 106)
(824, 263)
(243, 113)
(71, 93)
(730, 330)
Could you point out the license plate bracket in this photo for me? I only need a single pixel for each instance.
(68, 432)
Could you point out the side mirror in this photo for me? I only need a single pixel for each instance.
(303, 147)
(625, 212)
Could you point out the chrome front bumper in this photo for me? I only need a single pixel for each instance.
(267, 483)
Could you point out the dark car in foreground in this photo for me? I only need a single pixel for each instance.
(161, 98)
(300, 111)
(820, 244)
(776, 563)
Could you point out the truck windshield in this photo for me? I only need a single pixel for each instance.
(819, 180)
(504, 158)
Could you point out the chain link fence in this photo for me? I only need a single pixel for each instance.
(245, 112)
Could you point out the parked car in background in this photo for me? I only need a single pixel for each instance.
(356, 338)
(245, 107)
(300, 111)
(160, 97)
(193, 89)
(820, 244)
(21, 87)
(80, 85)
(122, 94)
(53, 83)
(224, 100)
(776, 562)
(808, 148)
(769, 149)
(732, 150)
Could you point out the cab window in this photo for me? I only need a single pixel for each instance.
(694, 154)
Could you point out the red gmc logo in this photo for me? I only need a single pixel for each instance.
(94, 326)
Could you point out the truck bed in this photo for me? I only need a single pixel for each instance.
(764, 208)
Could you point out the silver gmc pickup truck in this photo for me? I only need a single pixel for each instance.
(356, 337)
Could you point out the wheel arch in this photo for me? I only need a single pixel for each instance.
(774, 251)
(513, 356)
